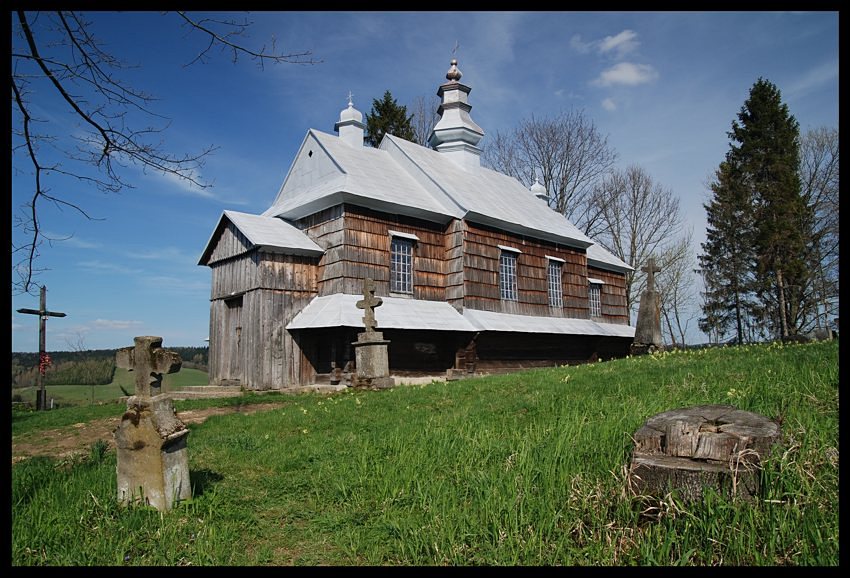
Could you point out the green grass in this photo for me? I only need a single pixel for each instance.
(521, 469)
(64, 395)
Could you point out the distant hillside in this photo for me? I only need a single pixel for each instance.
(90, 367)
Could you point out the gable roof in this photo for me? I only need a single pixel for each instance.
(598, 256)
(406, 178)
(363, 175)
(267, 233)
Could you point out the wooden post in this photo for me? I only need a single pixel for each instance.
(43, 314)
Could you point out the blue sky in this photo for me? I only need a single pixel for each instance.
(664, 87)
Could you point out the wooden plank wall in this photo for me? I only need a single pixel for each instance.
(231, 243)
(454, 263)
(357, 245)
(481, 274)
(612, 295)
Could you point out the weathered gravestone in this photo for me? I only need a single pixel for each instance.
(370, 349)
(648, 327)
(153, 463)
(689, 449)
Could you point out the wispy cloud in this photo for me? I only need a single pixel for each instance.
(609, 104)
(812, 79)
(107, 267)
(626, 73)
(71, 240)
(620, 44)
(115, 324)
(579, 45)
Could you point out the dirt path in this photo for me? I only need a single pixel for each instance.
(77, 439)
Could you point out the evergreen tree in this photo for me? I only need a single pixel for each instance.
(387, 116)
(729, 259)
(760, 227)
(765, 149)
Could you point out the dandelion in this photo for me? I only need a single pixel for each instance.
(357, 400)
(304, 431)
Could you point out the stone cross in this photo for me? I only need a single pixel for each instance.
(650, 270)
(149, 360)
(368, 304)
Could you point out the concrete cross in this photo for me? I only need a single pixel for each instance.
(149, 360)
(368, 304)
(650, 270)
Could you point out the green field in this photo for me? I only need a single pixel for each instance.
(64, 395)
(526, 469)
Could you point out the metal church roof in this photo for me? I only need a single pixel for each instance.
(340, 310)
(269, 233)
(492, 321)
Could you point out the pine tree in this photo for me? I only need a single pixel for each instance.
(387, 116)
(729, 259)
(765, 149)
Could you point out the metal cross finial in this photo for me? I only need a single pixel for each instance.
(349, 98)
(457, 45)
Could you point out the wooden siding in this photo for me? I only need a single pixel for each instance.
(612, 295)
(230, 243)
(481, 274)
(357, 245)
(249, 344)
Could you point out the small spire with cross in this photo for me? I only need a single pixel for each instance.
(350, 95)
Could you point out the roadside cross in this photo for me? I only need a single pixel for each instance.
(650, 270)
(43, 314)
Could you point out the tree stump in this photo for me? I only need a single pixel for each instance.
(689, 449)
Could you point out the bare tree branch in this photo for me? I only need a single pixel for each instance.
(55, 54)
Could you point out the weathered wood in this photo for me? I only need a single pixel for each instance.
(689, 449)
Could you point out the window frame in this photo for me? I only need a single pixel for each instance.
(400, 281)
(509, 273)
(594, 305)
(555, 287)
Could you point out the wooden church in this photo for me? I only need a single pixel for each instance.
(477, 274)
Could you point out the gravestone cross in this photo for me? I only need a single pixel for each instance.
(368, 304)
(650, 269)
(149, 361)
(150, 440)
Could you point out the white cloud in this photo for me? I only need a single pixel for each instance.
(609, 104)
(107, 267)
(115, 324)
(626, 73)
(580, 46)
(621, 44)
(72, 241)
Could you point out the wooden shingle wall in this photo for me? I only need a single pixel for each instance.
(481, 274)
(612, 295)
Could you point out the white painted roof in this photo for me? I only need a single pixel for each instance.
(365, 175)
(340, 310)
(492, 321)
(599, 256)
(487, 196)
(268, 233)
(395, 313)
(273, 233)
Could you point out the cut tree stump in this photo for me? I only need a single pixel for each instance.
(689, 449)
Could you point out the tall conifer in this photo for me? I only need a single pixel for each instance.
(387, 116)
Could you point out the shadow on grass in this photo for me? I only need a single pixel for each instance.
(200, 480)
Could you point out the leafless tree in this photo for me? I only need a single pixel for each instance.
(425, 116)
(678, 295)
(56, 55)
(640, 219)
(566, 154)
(819, 174)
